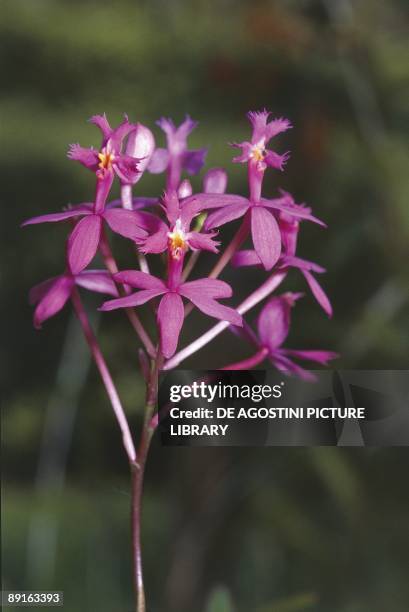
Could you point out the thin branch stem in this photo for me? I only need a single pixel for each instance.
(137, 476)
(105, 375)
(252, 300)
(124, 290)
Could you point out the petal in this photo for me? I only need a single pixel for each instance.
(205, 242)
(216, 310)
(246, 151)
(303, 264)
(318, 292)
(86, 157)
(37, 292)
(225, 215)
(159, 161)
(60, 216)
(245, 258)
(119, 133)
(134, 299)
(294, 211)
(171, 314)
(83, 243)
(139, 280)
(289, 367)
(274, 322)
(210, 287)
(193, 161)
(266, 236)
(274, 160)
(124, 222)
(215, 181)
(54, 300)
(277, 126)
(204, 201)
(186, 127)
(318, 356)
(102, 122)
(127, 168)
(157, 243)
(141, 145)
(99, 281)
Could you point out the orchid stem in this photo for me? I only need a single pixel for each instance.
(248, 363)
(137, 476)
(235, 244)
(126, 200)
(105, 375)
(131, 314)
(252, 300)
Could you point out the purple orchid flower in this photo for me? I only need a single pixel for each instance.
(273, 326)
(177, 235)
(203, 293)
(52, 295)
(109, 160)
(177, 156)
(140, 146)
(255, 153)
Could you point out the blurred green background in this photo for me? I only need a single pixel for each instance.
(263, 530)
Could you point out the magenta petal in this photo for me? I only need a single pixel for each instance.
(246, 151)
(159, 161)
(141, 145)
(303, 264)
(277, 126)
(171, 314)
(140, 280)
(118, 134)
(209, 287)
(86, 157)
(205, 242)
(294, 211)
(216, 310)
(204, 201)
(102, 122)
(124, 222)
(321, 357)
(274, 160)
(318, 292)
(99, 281)
(274, 322)
(54, 300)
(134, 299)
(193, 161)
(39, 291)
(266, 236)
(126, 167)
(60, 216)
(157, 243)
(215, 181)
(225, 215)
(245, 258)
(289, 367)
(83, 243)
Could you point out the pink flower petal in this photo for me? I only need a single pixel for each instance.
(225, 215)
(157, 243)
(54, 300)
(274, 160)
(215, 181)
(246, 258)
(83, 243)
(205, 242)
(124, 222)
(39, 291)
(127, 168)
(193, 161)
(99, 281)
(288, 366)
(158, 161)
(102, 122)
(210, 287)
(318, 292)
(274, 322)
(294, 211)
(171, 314)
(60, 216)
(318, 356)
(134, 299)
(139, 280)
(86, 157)
(216, 310)
(266, 236)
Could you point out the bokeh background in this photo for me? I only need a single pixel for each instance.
(263, 530)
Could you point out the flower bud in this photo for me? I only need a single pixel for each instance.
(185, 189)
(140, 145)
(215, 181)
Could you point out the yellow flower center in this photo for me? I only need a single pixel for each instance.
(177, 241)
(106, 158)
(258, 153)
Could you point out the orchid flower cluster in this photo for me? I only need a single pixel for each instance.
(178, 228)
